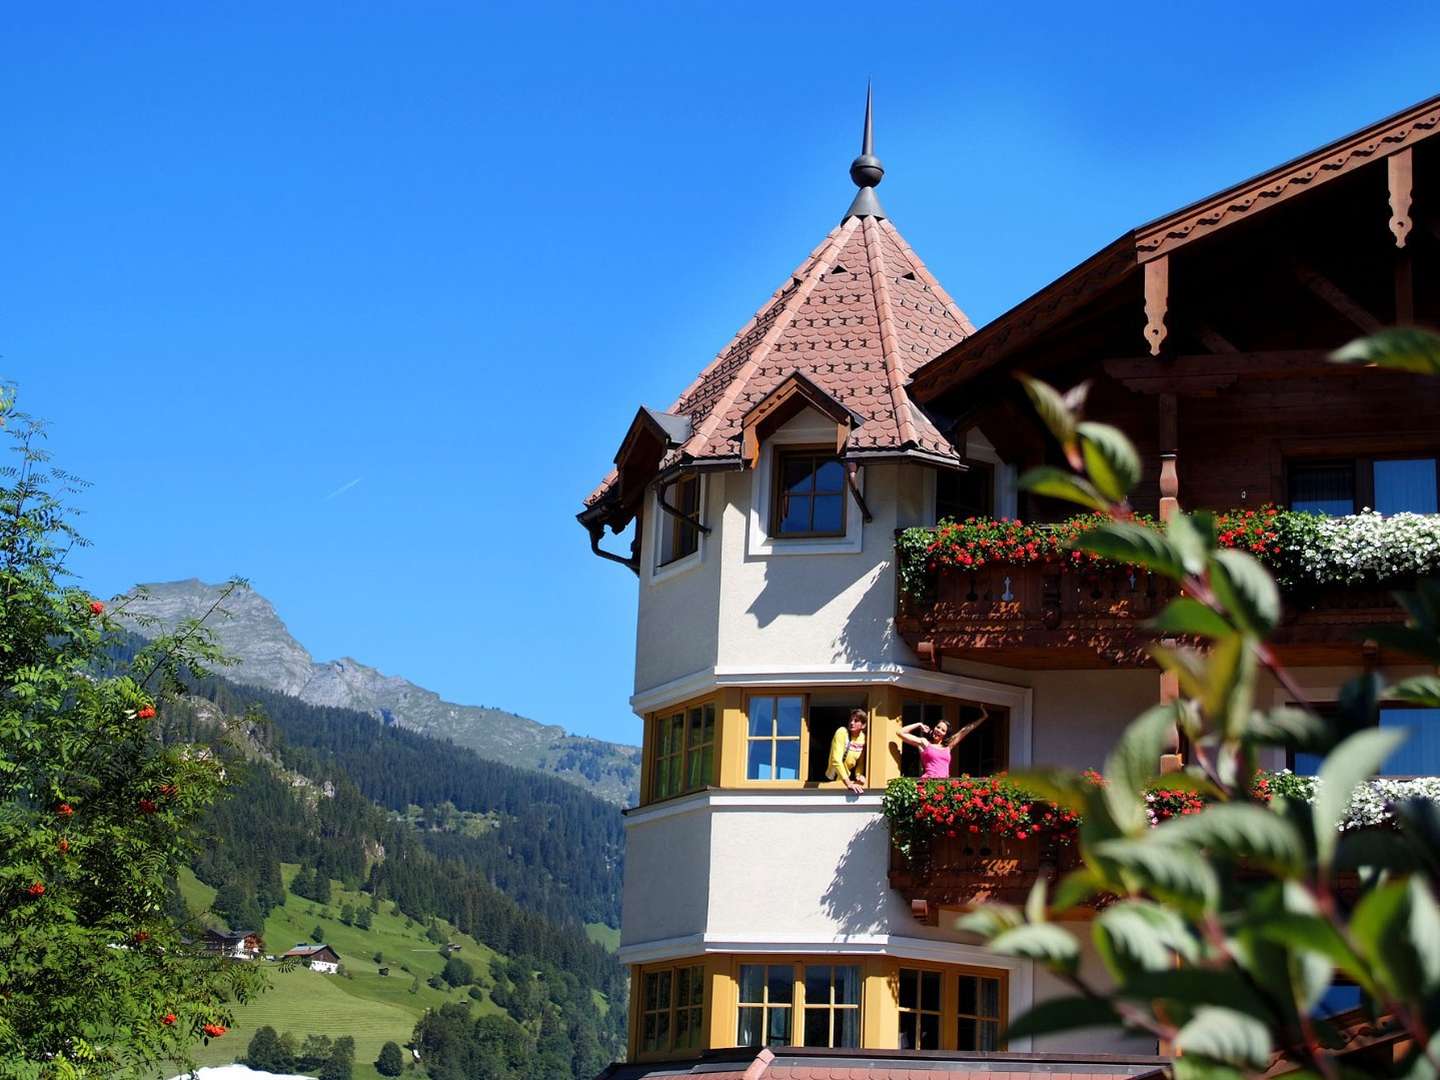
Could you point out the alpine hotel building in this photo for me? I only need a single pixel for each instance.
(763, 905)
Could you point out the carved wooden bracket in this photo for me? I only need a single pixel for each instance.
(1157, 296)
(1401, 172)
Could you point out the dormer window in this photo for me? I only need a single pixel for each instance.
(678, 535)
(810, 494)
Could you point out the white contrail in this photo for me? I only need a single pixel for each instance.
(341, 490)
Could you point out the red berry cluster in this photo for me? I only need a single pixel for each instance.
(214, 1030)
(146, 713)
(64, 809)
(168, 1019)
(37, 889)
(96, 607)
(148, 806)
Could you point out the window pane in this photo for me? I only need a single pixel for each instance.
(1405, 486)
(989, 997)
(701, 760)
(762, 717)
(966, 1039)
(652, 997)
(847, 1027)
(752, 983)
(830, 476)
(817, 1027)
(930, 990)
(989, 1035)
(795, 514)
(758, 767)
(960, 495)
(829, 514)
(1323, 489)
(682, 1027)
(1419, 754)
(847, 985)
(909, 980)
(792, 709)
(662, 1029)
(787, 759)
(817, 985)
(780, 981)
(649, 1038)
(697, 986)
(689, 495)
(750, 1023)
(662, 996)
(797, 475)
(929, 1032)
(779, 1025)
(969, 995)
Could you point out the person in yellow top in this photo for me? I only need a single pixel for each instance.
(846, 750)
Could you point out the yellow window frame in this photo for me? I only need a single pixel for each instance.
(799, 1006)
(950, 1014)
(678, 1012)
(681, 749)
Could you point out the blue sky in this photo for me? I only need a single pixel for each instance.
(357, 300)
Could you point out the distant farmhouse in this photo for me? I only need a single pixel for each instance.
(236, 944)
(321, 958)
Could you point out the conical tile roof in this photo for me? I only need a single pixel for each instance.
(857, 318)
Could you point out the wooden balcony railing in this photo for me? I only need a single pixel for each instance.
(958, 873)
(1055, 615)
(1049, 614)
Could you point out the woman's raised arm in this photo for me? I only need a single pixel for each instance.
(907, 733)
(954, 740)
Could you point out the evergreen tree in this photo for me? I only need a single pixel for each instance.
(267, 1053)
(458, 972)
(363, 918)
(347, 914)
(317, 935)
(235, 903)
(391, 1061)
(340, 1064)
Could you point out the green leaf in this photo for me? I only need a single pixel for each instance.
(1171, 872)
(990, 920)
(1399, 348)
(1075, 888)
(1380, 928)
(1356, 759)
(1192, 986)
(1191, 1067)
(1035, 902)
(1063, 1014)
(1422, 690)
(1246, 589)
(1424, 931)
(1137, 935)
(1135, 545)
(1312, 934)
(1240, 830)
(1110, 460)
(1045, 942)
(1134, 760)
(1226, 1035)
(1186, 615)
(1059, 484)
(1194, 538)
(1057, 411)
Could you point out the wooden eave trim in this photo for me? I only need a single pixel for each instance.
(754, 426)
(1345, 155)
(1027, 320)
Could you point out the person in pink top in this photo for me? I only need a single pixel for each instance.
(936, 745)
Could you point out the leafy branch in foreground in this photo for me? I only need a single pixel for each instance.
(1222, 930)
(97, 815)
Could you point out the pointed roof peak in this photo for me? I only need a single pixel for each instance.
(866, 170)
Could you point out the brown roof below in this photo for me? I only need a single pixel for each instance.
(813, 1063)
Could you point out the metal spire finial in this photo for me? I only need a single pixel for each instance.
(866, 169)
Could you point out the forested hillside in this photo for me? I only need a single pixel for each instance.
(295, 803)
(251, 631)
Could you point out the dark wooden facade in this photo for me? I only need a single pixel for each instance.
(1206, 336)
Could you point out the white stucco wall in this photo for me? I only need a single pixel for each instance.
(678, 622)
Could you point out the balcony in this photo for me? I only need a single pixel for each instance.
(962, 872)
(1013, 595)
(1040, 615)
